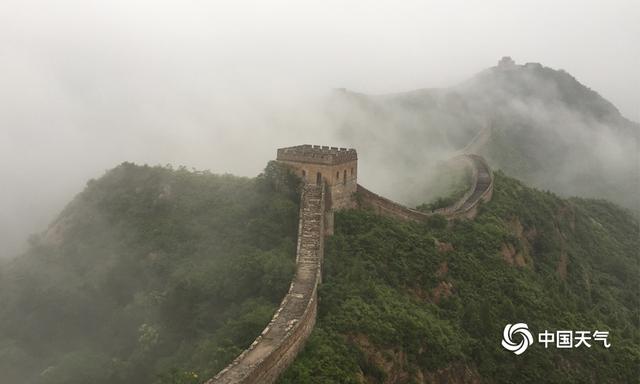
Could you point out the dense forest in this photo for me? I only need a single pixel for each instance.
(150, 275)
(412, 303)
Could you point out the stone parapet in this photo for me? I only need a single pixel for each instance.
(317, 154)
(278, 344)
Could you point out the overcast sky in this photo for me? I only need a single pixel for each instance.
(85, 85)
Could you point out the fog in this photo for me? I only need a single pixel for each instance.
(85, 85)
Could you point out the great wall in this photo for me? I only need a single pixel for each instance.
(466, 207)
(280, 341)
(329, 177)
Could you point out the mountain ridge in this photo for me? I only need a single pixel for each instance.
(546, 128)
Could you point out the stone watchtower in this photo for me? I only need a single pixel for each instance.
(506, 63)
(336, 167)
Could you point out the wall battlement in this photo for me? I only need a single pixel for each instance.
(317, 154)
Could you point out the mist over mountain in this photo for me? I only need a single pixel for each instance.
(162, 275)
(538, 124)
(328, 192)
(534, 122)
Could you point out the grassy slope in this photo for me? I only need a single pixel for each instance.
(397, 308)
(150, 275)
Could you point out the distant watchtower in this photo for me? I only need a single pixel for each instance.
(506, 63)
(336, 167)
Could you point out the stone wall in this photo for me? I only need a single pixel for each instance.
(385, 207)
(341, 179)
(317, 154)
(279, 343)
(340, 182)
(481, 190)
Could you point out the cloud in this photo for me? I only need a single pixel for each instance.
(85, 85)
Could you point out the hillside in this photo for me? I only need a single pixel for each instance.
(162, 276)
(415, 303)
(535, 123)
(150, 275)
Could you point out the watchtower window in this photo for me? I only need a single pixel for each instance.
(344, 179)
(304, 173)
(338, 176)
(319, 178)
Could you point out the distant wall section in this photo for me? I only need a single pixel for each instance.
(466, 207)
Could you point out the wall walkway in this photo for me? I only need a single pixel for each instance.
(279, 343)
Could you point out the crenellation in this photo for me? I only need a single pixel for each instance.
(317, 154)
